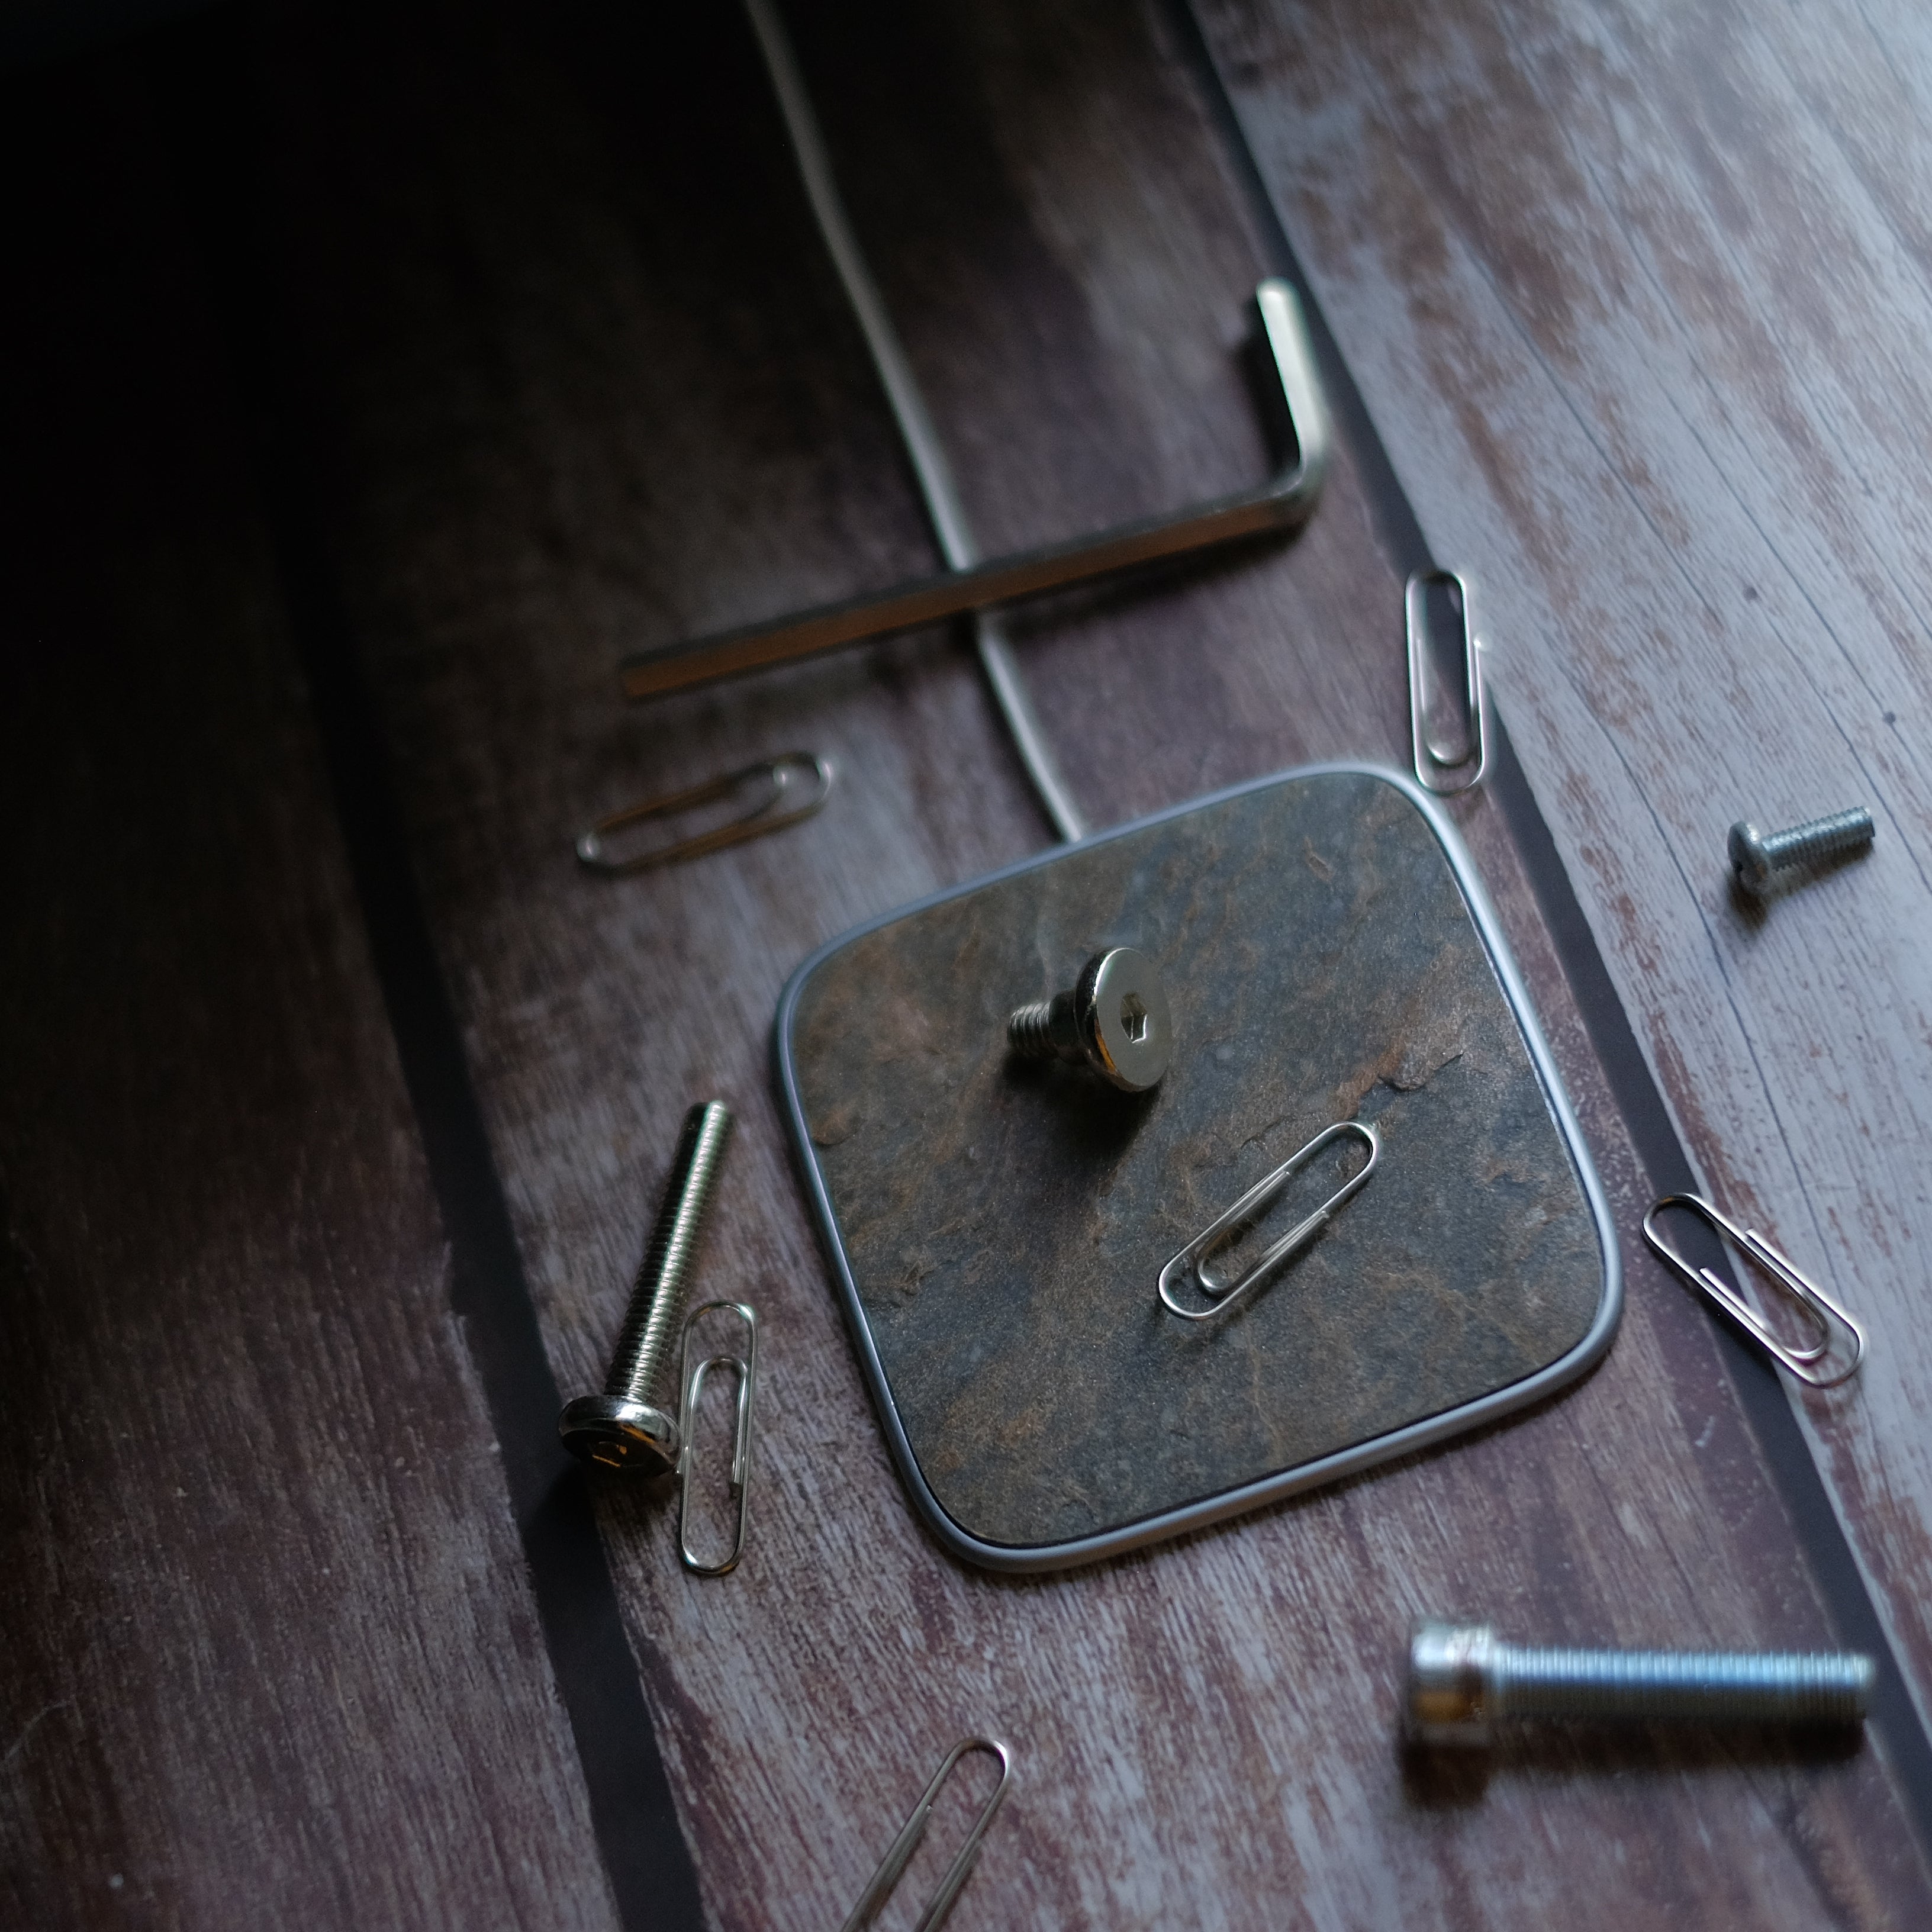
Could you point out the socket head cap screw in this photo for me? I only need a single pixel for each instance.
(1113, 1019)
(618, 1434)
(1446, 1701)
(1120, 1008)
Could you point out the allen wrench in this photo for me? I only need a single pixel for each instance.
(1825, 1316)
(770, 813)
(898, 1854)
(1433, 764)
(746, 1368)
(1192, 1263)
(1284, 501)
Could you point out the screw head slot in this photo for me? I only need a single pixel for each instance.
(617, 1434)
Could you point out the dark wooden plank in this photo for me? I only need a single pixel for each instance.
(1639, 300)
(272, 1656)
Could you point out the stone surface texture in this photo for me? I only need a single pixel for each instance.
(1005, 1222)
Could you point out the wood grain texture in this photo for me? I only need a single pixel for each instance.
(1005, 1224)
(1641, 300)
(593, 389)
(271, 1656)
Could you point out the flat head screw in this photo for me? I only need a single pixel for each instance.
(1463, 1681)
(1114, 1020)
(627, 1427)
(1756, 856)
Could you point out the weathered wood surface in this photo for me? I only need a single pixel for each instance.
(593, 390)
(589, 386)
(271, 1655)
(1640, 297)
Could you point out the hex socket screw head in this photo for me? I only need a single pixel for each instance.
(1463, 1681)
(628, 1427)
(1756, 856)
(1114, 1020)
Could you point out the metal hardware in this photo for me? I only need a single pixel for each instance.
(1825, 1316)
(783, 803)
(1284, 501)
(969, 584)
(902, 1847)
(1756, 856)
(1191, 1263)
(746, 1367)
(625, 1428)
(1462, 1681)
(1115, 1020)
(1434, 764)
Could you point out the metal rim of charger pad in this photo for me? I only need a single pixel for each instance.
(996, 1227)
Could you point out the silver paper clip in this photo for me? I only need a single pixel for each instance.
(1826, 1317)
(746, 1368)
(1435, 765)
(796, 784)
(1192, 1263)
(913, 1829)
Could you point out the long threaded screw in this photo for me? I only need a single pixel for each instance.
(1462, 1681)
(628, 1427)
(1757, 856)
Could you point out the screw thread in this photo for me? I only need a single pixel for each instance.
(1792, 1688)
(1819, 838)
(1030, 1031)
(657, 1298)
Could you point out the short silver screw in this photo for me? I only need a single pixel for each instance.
(1755, 855)
(627, 1427)
(1114, 1020)
(1462, 1681)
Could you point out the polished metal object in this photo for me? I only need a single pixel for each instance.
(1462, 1681)
(1191, 1267)
(1756, 857)
(625, 1427)
(793, 786)
(1829, 1321)
(1284, 502)
(745, 1367)
(1115, 1020)
(1442, 768)
(902, 1847)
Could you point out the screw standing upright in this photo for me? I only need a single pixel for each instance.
(628, 1427)
(1113, 1019)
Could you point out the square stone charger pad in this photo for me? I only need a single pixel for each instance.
(996, 1227)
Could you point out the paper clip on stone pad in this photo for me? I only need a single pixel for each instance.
(1192, 1265)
